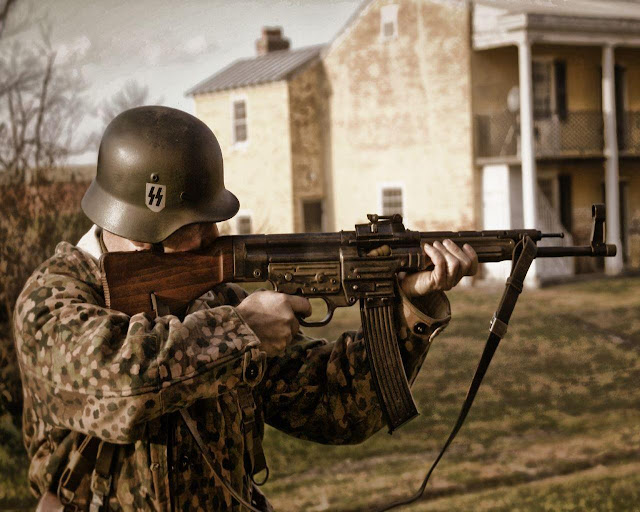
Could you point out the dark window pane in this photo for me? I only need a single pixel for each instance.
(312, 213)
(241, 132)
(244, 225)
(391, 201)
(239, 110)
(560, 69)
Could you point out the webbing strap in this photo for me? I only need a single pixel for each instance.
(81, 463)
(193, 428)
(258, 462)
(101, 477)
(524, 254)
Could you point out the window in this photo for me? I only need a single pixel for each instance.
(549, 88)
(312, 216)
(389, 22)
(239, 121)
(243, 223)
(391, 199)
(542, 76)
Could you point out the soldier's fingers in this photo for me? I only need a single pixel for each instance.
(384, 250)
(473, 257)
(453, 266)
(439, 272)
(465, 260)
(299, 305)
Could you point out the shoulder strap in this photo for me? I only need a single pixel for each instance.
(94, 457)
(80, 463)
(101, 477)
(524, 255)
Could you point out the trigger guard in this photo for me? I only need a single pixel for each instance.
(322, 322)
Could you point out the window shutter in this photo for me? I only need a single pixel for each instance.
(560, 71)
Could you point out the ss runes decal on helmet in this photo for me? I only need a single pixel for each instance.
(155, 196)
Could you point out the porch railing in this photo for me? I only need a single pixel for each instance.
(577, 133)
(629, 133)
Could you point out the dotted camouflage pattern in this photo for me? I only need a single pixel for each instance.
(89, 370)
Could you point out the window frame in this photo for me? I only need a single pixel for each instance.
(389, 15)
(548, 62)
(234, 121)
(388, 185)
(243, 214)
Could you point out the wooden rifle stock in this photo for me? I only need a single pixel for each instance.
(130, 279)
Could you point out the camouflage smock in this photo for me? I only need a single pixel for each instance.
(89, 370)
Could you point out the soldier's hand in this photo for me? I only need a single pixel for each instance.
(272, 316)
(451, 263)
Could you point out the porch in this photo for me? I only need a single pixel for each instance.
(569, 87)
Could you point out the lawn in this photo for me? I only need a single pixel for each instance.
(560, 402)
(554, 426)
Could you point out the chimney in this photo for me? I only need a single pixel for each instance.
(271, 41)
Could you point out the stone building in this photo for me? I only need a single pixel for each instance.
(457, 114)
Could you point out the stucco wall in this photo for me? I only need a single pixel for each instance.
(494, 72)
(258, 171)
(401, 112)
(307, 105)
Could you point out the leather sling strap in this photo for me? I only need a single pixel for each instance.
(524, 254)
(387, 370)
(193, 428)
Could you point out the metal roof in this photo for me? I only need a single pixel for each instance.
(273, 66)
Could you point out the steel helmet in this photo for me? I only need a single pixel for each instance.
(158, 169)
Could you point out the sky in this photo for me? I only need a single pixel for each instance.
(167, 45)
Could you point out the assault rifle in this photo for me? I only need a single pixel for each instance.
(336, 267)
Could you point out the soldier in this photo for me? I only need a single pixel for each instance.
(167, 413)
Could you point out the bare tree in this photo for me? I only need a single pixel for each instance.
(5, 7)
(133, 94)
(41, 103)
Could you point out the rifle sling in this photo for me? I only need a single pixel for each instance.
(387, 370)
(193, 429)
(523, 256)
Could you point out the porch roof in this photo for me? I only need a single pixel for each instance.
(571, 22)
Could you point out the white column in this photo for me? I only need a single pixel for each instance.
(527, 148)
(612, 193)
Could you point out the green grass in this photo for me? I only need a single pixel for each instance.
(554, 426)
(561, 397)
(14, 491)
(602, 489)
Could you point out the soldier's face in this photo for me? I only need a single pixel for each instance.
(187, 238)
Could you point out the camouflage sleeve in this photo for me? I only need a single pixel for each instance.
(323, 391)
(103, 373)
